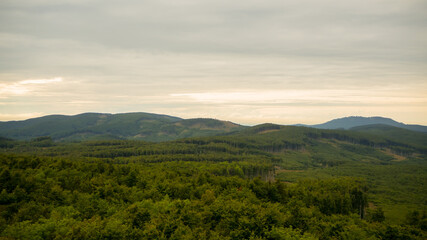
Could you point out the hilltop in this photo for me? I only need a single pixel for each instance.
(356, 121)
(132, 126)
(158, 128)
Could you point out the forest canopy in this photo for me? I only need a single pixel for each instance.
(252, 185)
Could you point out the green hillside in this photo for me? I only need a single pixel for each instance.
(394, 133)
(263, 182)
(97, 126)
(351, 122)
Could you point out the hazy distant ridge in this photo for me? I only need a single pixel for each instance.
(351, 122)
(92, 126)
(156, 127)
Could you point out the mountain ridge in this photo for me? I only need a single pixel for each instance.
(160, 127)
(94, 126)
(355, 121)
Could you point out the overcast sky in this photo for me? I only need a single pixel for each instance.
(302, 61)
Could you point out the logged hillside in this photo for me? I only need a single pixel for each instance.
(394, 133)
(284, 152)
(158, 128)
(264, 182)
(97, 126)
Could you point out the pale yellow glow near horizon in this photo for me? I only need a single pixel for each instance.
(311, 106)
(244, 106)
(41, 81)
(24, 86)
(355, 96)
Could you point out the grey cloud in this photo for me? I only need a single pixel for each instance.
(317, 28)
(154, 48)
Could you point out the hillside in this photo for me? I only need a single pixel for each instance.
(394, 133)
(93, 126)
(351, 122)
(264, 182)
(157, 128)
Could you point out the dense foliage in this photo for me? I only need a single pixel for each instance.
(267, 182)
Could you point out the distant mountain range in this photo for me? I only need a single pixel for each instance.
(95, 126)
(352, 122)
(157, 128)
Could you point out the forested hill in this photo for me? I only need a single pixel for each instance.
(350, 122)
(93, 126)
(158, 128)
(395, 133)
(264, 182)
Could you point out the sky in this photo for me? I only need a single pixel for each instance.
(250, 62)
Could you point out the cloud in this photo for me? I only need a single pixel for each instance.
(196, 57)
(22, 116)
(40, 81)
(374, 29)
(25, 86)
(307, 97)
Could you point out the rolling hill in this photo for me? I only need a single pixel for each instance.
(368, 180)
(394, 133)
(157, 128)
(93, 126)
(351, 122)
(391, 160)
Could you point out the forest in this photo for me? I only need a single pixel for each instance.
(264, 182)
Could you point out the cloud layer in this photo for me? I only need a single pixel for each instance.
(249, 61)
